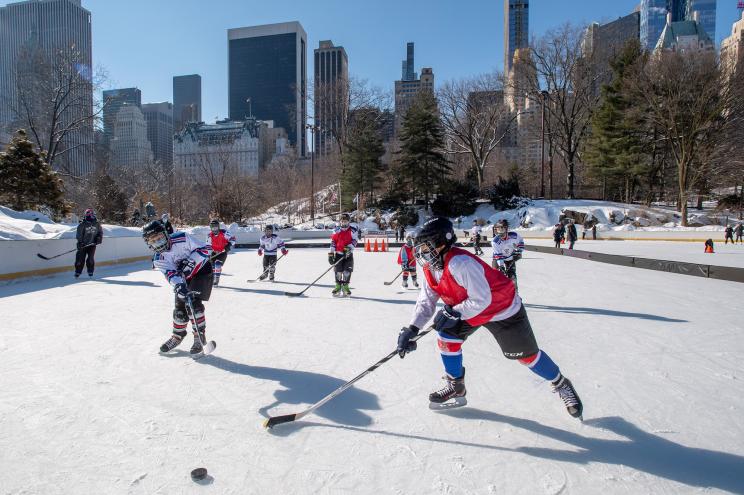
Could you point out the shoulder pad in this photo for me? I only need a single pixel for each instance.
(177, 235)
(513, 235)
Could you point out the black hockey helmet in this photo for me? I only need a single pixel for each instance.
(214, 225)
(155, 236)
(501, 227)
(268, 229)
(344, 220)
(433, 240)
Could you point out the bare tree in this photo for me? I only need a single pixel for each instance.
(54, 103)
(556, 69)
(696, 114)
(475, 118)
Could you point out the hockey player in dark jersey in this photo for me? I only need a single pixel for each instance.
(474, 295)
(343, 241)
(407, 262)
(185, 263)
(268, 246)
(221, 241)
(507, 249)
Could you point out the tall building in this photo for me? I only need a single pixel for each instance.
(200, 147)
(48, 27)
(330, 94)
(408, 71)
(406, 91)
(159, 119)
(113, 100)
(187, 103)
(516, 29)
(732, 48)
(129, 145)
(267, 77)
(684, 36)
(654, 17)
(604, 41)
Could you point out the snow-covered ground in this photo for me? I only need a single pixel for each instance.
(32, 225)
(89, 406)
(690, 252)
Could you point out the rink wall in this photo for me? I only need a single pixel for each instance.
(18, 258)
(731, 274)
(630, 235)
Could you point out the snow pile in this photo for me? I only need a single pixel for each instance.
(32, 225)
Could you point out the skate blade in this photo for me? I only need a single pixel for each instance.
(451, 404)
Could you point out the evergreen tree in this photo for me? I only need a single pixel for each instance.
(615, 149)
(422, 166)
(27, 182)
(110, 201)
(362, 162)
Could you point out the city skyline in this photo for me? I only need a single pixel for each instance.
(150, 58)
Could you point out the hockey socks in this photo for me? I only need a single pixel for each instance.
(450, 348)
(543, 366)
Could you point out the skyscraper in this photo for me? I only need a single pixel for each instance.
(267, 77)
(129, 145)
(408, 72)
(113, 100)
(330, 93)
(187, 104)
(406, 91)
(48, 27)
(516, 29)
(159, 119)
(654, 17)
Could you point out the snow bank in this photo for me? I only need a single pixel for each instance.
(32, 225)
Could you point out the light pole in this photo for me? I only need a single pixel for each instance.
(542, 146)
(250, 107)
(313, 128)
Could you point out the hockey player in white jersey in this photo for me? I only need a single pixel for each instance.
(185, 262)
(268, 246)
(507, 249)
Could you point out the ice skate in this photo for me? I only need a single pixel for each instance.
(172, 342)
(346, 290)
(336, 292)
(197, 349)
(452, 395)
(404, 284)
(570, 398)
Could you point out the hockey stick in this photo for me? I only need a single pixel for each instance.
(288, 418)
(396, 278)
(207, 347)
(296, 294)
(62, 254)
(267, 269)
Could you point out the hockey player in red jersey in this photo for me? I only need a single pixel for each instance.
(474, 295)
(407, 261)
(221, 241)
(343, 241)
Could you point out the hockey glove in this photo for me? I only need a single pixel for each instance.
(404, 340)
(284, 252)
(228, 248)
(187, 267)
(331, 258)
(181, 290)
(448, 321)
(347, 252)
(260, 252)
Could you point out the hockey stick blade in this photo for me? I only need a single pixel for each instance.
(42, 256)
(277, 420)
(206, 350)
(293, 294)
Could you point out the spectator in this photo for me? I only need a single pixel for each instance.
(150, 211)
(739, 230)
(571, 234)
(729, 234)
(594, 232)
(136, 217)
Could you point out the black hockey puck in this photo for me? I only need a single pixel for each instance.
(199, 474)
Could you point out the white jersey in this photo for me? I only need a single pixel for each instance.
(475, 230)
(269, 244)
(505, 249)
(183, 247)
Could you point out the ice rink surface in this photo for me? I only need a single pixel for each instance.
(90, 407)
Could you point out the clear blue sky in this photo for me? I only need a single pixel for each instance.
(144, 43)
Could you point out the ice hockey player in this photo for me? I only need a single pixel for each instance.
(89, 235)
(729, 234)
(185, 263)
(407, 262)
(507, 249)
(343, 241)
(221, 241)
(475, 237)
(474, 295)
(268, 246)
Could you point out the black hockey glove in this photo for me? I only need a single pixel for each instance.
(331, 258)
(228, 248)
(181, 290)
(404, 340)
(347, 252)
(187, 266)
(448, 321)
(516, 256)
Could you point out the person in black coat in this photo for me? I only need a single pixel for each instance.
(558, 233)
(89, 235)
(571, 234)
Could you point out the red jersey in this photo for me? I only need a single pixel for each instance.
(405, 255)
(342, 238)
(479, 292)
(220, 240)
